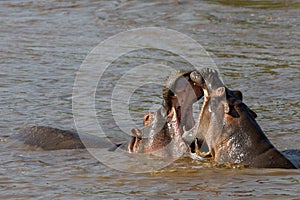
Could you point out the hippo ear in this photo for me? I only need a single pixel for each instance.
(238, 94)
(220, 91)
(254, 115)
(147, 118)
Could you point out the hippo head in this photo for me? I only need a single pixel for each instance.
(229, 128)
(162, 135)
(223, 116)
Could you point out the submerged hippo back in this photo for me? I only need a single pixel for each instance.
(48, 138)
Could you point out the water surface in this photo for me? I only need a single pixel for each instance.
(43, 43)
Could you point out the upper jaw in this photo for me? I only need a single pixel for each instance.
(206, 78)
(182, 102)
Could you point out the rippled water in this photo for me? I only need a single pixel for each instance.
(43, 43)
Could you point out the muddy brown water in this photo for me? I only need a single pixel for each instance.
(43, 43)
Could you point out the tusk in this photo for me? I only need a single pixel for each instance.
(184, 129)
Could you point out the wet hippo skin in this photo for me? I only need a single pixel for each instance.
(48, 138)
(162, 135)
(229, 127)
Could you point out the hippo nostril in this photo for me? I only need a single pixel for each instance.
(196, 77)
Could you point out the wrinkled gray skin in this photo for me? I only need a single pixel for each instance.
(229, 127)
(161, 135)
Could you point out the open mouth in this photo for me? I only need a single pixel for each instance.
(185, 94)
(168, 125)
(180, 115)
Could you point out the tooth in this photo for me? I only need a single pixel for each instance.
(184, 129)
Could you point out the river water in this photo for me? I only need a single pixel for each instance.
(254, 44)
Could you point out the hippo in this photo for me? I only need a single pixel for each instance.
(49, 138)
(161, 135)
(229, 128)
